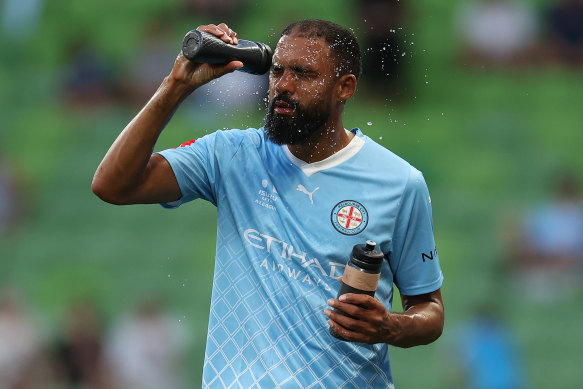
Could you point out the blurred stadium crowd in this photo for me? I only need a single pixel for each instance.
(145, 346)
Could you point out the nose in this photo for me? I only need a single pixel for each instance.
(284, 83)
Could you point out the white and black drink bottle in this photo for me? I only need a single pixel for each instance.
(361, 274)
(200, 46)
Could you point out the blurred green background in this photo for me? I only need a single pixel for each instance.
(487, 138)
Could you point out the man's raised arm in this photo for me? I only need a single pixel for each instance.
(129, 173)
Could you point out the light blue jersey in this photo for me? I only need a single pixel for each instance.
(285, 232)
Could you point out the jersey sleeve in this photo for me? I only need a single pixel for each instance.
(414, 259)
(197, 166)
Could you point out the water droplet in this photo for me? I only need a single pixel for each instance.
(380, 138)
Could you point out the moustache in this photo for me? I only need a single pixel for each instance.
(283, 100)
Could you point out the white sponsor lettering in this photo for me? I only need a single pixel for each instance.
(316, 264)
(292, 273)
(334, 266)
(285, 251)
(248, 235)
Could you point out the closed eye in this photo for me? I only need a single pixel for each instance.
(301, 71)
(276, 69)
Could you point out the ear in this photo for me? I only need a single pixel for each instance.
(345, 87)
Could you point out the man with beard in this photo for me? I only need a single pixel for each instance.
(293, 199)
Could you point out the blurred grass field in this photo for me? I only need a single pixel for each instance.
(485, 140)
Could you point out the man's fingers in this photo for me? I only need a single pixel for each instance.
(228, 68)
(232, 34)
(221, 31)
(349, 309)
(347, 322)
(363, 300)
(346, 333)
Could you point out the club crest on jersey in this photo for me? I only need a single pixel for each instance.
(349, 217)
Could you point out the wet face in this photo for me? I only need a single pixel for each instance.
(300, 90)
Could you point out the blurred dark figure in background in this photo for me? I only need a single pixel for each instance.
(156, 52)
(547, 251)
(564, 23)
(20, 344)
(79, 351)
(10, 198)
(497, 33)
(487, 354)
(89, 79)
(384, 42)
(146, 348)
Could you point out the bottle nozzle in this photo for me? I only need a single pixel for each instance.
(370, 245)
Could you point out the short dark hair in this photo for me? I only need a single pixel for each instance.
(342, 42)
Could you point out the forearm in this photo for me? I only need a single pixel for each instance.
(419, 324)
(124, 165)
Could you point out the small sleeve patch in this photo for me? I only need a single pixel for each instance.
(188, 143)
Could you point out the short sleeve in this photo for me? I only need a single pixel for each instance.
(196, 168)
(413, 258)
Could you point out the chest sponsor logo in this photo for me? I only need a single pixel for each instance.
(285, 258)
(349, 217)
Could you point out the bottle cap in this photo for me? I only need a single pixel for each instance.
(366, 256)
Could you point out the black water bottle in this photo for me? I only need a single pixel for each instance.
(361, 274)
(201, 46)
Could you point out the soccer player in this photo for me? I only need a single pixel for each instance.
(293, 198)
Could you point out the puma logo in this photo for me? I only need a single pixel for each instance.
(303, 189)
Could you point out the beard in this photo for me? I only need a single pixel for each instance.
(294, 130)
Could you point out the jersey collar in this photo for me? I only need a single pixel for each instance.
(343, 155)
